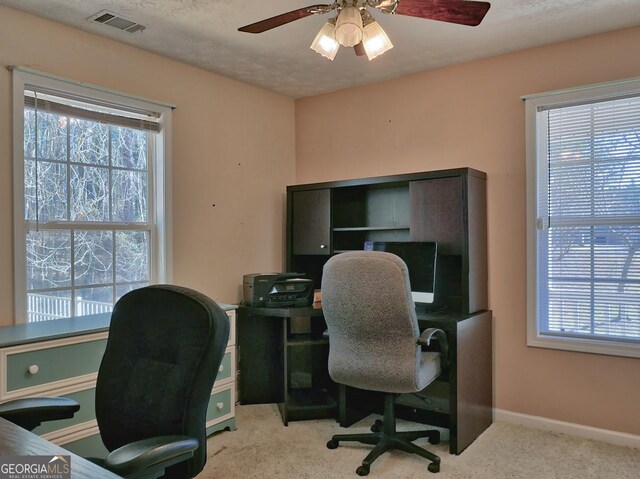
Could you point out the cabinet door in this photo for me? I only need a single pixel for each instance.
(311, 223)
(436, 213)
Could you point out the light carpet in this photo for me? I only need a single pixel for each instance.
(263, 448)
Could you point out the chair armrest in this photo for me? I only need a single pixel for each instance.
(425, 340)
(148, 458)
(29, 413)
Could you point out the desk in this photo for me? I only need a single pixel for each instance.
(460, 400)
(15, 441)
(470, 377)
(282, 355)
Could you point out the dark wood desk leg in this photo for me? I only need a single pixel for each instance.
(342, 406)
(260, 358)
(282, 406)
(473, 384)
(344, 418)
(356, 404)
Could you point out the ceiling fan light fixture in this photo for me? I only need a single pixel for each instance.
(348, 30)
(325, 42)
(375, 40)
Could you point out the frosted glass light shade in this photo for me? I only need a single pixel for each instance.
(375, 40)
(325, 42)
(349, 27)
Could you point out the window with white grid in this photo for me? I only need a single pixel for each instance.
(89, 222)
(584, 220)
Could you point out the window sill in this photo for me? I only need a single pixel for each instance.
(593, 346)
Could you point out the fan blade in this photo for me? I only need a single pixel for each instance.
(464, 12)
(282, 19)
(359, 49)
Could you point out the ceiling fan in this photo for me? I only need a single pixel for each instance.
(354, 26)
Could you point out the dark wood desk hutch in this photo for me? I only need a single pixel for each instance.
(446, 206)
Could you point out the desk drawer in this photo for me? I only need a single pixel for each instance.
(87, 413)
(226, 371)
(39, 367)
(221, 405)
(87, 446)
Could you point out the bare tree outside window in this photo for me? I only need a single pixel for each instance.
(86, 187)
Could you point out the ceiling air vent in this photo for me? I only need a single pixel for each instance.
(109, 18)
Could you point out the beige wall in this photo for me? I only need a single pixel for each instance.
(233, 146)
(471, 115)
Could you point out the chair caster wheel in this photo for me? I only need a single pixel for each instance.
(362, 470)
(434, 467)
(332, 444)
(435, 439)
(377, 426)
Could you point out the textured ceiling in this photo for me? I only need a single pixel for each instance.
(204, 33)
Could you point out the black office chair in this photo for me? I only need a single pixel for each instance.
(165, 346)
(375, 344)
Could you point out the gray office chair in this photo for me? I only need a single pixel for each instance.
(165, 346)
(375, 344)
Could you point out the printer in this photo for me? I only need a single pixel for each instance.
(277, 290)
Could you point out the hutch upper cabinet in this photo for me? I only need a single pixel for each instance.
(446, 206)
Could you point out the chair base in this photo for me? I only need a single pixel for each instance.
(385, 438)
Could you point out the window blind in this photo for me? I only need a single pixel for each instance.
(590, 263)
(102, 113)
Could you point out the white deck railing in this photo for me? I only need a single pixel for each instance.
(41, 307)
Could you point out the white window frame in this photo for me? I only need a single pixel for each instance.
(536, 161)
(160, 184)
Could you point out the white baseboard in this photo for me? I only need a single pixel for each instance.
(569, 428)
